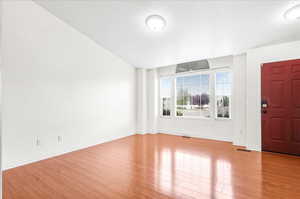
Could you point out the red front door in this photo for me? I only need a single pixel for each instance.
(280, 107)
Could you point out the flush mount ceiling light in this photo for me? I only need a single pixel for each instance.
(156, 23)
(293, 13)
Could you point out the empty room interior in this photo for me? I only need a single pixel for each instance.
(149, 99)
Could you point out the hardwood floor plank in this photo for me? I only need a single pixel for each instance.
(157, 166)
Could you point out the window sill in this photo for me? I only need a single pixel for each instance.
(165, 117)
(193, 118)
(223, 119)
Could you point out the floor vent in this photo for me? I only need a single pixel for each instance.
(186, 137)
(244, 150)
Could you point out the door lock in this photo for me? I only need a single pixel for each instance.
(264, 106)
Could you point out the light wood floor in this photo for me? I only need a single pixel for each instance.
(158, 166)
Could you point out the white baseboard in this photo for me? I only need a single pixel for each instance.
(200, 136)
(254, 148)
(15, 164)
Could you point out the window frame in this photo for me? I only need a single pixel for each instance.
(159, 97)
(215, 96)
(206, 72)
(212, 94)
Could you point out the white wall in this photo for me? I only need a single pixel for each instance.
(152, 96)
(147, 82)
(58, 82)
(239, 99)
(203, 128)
(255, 58)
(141, 97)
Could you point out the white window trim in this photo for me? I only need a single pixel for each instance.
(215, 96)
(210, 92)
(212, 89)
(160, 102)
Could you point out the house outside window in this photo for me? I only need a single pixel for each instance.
(194, 96)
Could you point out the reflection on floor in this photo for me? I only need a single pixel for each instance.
(157, 166)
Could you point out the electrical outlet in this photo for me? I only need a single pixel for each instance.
(59, 139)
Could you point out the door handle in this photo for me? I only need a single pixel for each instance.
(264, 106)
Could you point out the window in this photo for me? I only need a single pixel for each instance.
(165, 95)
(223, 94)
(192, 96)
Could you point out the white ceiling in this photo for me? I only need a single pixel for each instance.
(195, 29)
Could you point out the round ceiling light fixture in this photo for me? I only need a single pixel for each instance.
(156, 22)
(293, 13)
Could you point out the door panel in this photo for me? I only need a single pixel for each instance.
(277, 126)
(281, 107)
(296, 130)
(277, 93)
(295, 107)
(296, 68)
(296, 93)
